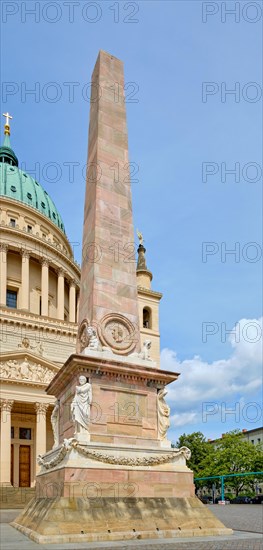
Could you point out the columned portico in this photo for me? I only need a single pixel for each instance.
(5, 450)
(60, 294)
(44, 286)
(3, 272)
(25, 279)
(41, 430)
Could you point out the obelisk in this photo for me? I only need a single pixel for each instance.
(108, 272)
(112, 473)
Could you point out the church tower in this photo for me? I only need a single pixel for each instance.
(148, 301)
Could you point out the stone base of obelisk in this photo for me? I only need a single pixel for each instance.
(121, 479)
(65, 519)
(91, 492)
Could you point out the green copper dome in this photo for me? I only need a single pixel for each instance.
(16, 184)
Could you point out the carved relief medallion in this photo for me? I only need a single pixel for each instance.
(117, 332)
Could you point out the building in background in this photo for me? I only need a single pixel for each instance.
(255, 436)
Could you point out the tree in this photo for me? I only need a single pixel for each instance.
(229, 455)
(200, 449)
(236, 455)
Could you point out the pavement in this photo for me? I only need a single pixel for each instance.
(245, 519)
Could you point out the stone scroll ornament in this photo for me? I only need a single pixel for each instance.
(80, 406)
(163, 414)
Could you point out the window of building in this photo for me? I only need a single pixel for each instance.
(11, 298)
(29, 228)
(24, 433)
(12, 432)
(12, 222)
(40, 305)
(147, 318)
(44, 236)
(259, 439)
(252, 441)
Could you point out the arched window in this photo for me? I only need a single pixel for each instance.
(147, 317)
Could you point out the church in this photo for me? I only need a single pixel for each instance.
(39, 308)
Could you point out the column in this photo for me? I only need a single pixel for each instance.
(44, 287)
(3, 272)
(41, 430)
(5, 449)
(60, 295)
(78, 307)
(24, 302)
(72, 301)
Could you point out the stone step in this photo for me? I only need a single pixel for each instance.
(15, 497)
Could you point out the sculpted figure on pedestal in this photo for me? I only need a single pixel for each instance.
(163, 414)
(145, 353)
(87, 338)
(55, 425)
(93, 341)
(80, 406)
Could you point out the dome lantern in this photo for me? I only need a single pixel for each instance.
(7, 154)
(16, 184)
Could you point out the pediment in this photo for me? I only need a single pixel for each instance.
(24, 367)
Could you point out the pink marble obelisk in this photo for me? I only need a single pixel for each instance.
(116, 477)
(108, 272)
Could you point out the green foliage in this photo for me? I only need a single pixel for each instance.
(200, 450)
(229, 455)
(236, 455)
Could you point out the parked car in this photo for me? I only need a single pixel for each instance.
(219, 499)
(241, 500)
(257, 500)
(206, 499)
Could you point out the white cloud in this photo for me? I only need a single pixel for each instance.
(224, 380)
(182, 419)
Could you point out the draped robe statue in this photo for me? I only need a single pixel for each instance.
(80, 406)
(163, 414)
(55, 426)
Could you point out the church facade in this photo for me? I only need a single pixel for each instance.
(39, 296)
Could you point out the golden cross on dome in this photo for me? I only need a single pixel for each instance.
(7, 125)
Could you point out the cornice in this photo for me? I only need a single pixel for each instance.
(37, 213)
(41, 246)
(32, 320)
(149, 292)
(113, 367)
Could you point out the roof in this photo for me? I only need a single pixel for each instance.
(20, 186)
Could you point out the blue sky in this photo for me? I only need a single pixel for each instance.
(174, 128)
